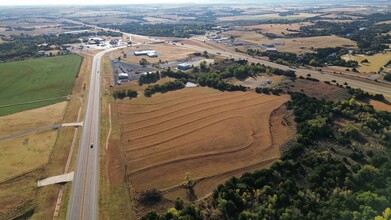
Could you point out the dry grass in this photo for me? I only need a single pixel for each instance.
(278, 29)
(22, 154)
(319, 90)
(209, 134)
(26, 120)
(17, 195)
(375, 61)
(166, 53)
(380, 105)
(46, 197)
(267, 16)
(114, 202)
(294, 45)
(384, 22)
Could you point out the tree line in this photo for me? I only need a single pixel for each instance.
(27, 46)
(322, 57)
(166, 87)
(163, 30)
(121, 94)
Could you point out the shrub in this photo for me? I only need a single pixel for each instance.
(150, 197)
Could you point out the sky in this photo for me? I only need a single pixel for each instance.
(96, 2)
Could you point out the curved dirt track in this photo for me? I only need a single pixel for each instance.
(209, 135)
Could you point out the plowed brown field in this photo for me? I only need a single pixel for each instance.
(210, 136)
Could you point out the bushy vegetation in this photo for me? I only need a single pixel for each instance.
(168, 86)
(324, 175)
(359, 94)
(387, 77)
(268, 91)
(215, 80)
(150, 197)
(216, 75)
(121, 94)
(149, 78)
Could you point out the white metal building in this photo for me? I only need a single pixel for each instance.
(123, 76)
(143, 52)
(184, 66)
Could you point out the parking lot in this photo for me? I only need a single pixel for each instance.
(133, 71)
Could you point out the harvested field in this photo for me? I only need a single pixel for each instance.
(207, 134)
(294, 45)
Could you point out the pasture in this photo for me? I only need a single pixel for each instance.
(35, 83)
(206, 134)
(375, 61)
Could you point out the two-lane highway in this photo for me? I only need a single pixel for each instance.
(84, 196)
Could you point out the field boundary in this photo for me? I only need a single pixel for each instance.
(29, 102)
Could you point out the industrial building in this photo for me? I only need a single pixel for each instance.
(152, 54)
(184, 66)
(144, 52)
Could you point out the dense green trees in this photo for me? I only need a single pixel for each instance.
(149, 78)
(121, 94)
(163, 30)
(323, 56)
(143, 62)
(168, 86)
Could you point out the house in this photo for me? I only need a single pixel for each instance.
(184, 66)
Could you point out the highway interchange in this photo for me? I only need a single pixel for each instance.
(85, 190)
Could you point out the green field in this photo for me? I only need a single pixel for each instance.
(36, 79)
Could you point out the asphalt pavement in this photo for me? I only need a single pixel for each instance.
(85, 188)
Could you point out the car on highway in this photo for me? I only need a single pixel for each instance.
(92, 145)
